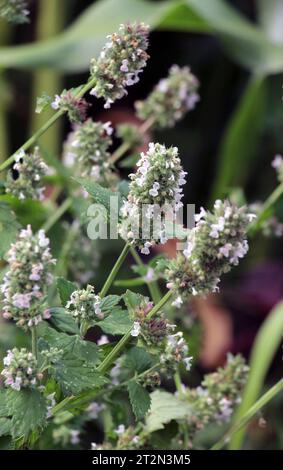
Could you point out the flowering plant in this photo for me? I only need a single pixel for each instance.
(61, 382)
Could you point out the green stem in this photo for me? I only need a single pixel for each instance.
(270, 201)
(57, 214)
(106, 363)
(115, 269)
(34, 138)
(126, 146)
(153, 285)
(249, 415)
(34, 341)
(178, 382)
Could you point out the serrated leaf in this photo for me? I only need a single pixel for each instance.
(65, 289)
(140, 400)
(75, 376)
(132, 300)
(72, 345)
(117, 323)
(137, 360)
(110, 200)
(165, 407)
(63, 321)
(5, 427)
(27, 409)
(8, 228)
(43, 102)
(108, 303)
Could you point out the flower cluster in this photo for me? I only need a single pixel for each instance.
(171, 99)
(175, 352)
(20, 369)
(84, 305)
(277, 164)
(130, 134)
(216, 244)
(14, 11)
(75, 107)
(87, 151)
(219, 394)
(24, 182)
(156, 187)
(25, 285)
(120, 62)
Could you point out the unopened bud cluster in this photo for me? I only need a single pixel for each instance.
(130, 134)
(27, 182)
(84, 305)
(24, 287)
(87, 151)
(219, 393)
(14, 11)
(20, 369)
(120, 62)
(217, 243)
(171, 99)
(157, 183)
(76, 108)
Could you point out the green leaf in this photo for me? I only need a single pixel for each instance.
(132, 300)
(165, 407)
(109, 302)
(241, 139)
(65, 289)
(3, 403)
(63, 321)
(108, 199)
(116, 323)
(270, 17)
(137, 360)
(8, 228)
(264, 349)
(27, 409)
(75, 376)
(5, 427)
(72, 345)
(140, 400)
(43, 102)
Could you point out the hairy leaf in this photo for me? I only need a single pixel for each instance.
(65, 289)
(140, 400)
(5, 426)
(63, 321)
(117, 323)
(27, 409)
(165, 407)
(72, 345)
(75, 376)
(137, 360)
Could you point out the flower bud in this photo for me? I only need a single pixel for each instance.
(171, 99)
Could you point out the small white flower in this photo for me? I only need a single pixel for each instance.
(136, 329)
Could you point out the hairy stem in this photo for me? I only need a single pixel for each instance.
(249, 414)
(33, 139)
(34, 341)
(152, 285)
(108, 361)
(120, 152)
(109, 281)
(57, 214)
(270, 201)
